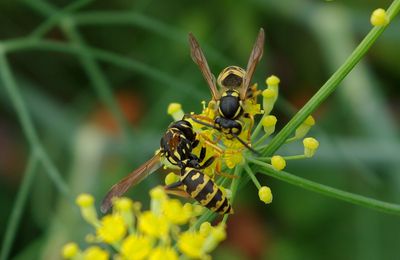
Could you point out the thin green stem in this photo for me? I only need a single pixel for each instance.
(252, 176)
(93, 71)
(54, 15)
(327, 190)
(27, 124)
(295, 157)
(106, 56)
(261, 140)
(330, 85)
(19, 205)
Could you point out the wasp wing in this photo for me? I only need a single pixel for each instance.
(255, 57)
(199, 58)
(133, 178)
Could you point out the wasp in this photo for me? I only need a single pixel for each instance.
(176, 145)
(234, 83)
(203, 189)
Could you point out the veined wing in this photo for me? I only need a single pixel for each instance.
(255, 57)
(199, 58)
(132, 179)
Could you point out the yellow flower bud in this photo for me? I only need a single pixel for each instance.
(153, 225)
(191, 244)
(205, 228)
(171, 178)
(112, 229)
(136, 247)
(123, 204)
(95, 253)
(175, 110)
(278, 162)
(310, 146)
(304, 128)
(269, 97)
(70, 250)
(84, 200)
(272, 80)
(269, 123)
(265, 194)
(165, 253)
(86, 203)
(379, 17)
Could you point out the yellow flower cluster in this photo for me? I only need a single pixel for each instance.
(157, 233)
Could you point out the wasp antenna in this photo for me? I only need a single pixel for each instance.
(246, 145)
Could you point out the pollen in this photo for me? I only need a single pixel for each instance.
(272, 80)
(379, 17)
(278, 162)
(265, 194)
(191, 244)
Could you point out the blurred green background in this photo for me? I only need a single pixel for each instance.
(133, 56)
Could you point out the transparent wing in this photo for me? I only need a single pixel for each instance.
(199, 58)
(255, 57)
(132, 179)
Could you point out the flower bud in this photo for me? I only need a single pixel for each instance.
(265, 194)
(171, 178)
(310, 146)
(379, 17)
(304, 128)
(269, 123)
(70, 250)
(175, 110)
(278, 162)
(86, 203)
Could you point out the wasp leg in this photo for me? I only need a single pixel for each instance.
(208, 162)
(226, 175)
(179, 193)
(194, 118)
(211, 143)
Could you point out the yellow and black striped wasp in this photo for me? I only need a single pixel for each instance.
(177, 146)
(235, 87)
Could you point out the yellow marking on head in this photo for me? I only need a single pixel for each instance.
(235, 94)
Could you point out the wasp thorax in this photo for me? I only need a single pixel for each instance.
(231, 77)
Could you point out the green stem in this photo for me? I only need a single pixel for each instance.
(15, 216)
(27, 125)
(328, 191)
(103, 55)
(54, 16)
(252, 176)
(331, 84)
(93, 71)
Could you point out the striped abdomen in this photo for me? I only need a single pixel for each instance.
(200, 187)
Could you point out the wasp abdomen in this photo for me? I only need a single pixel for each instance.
(203, 189)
